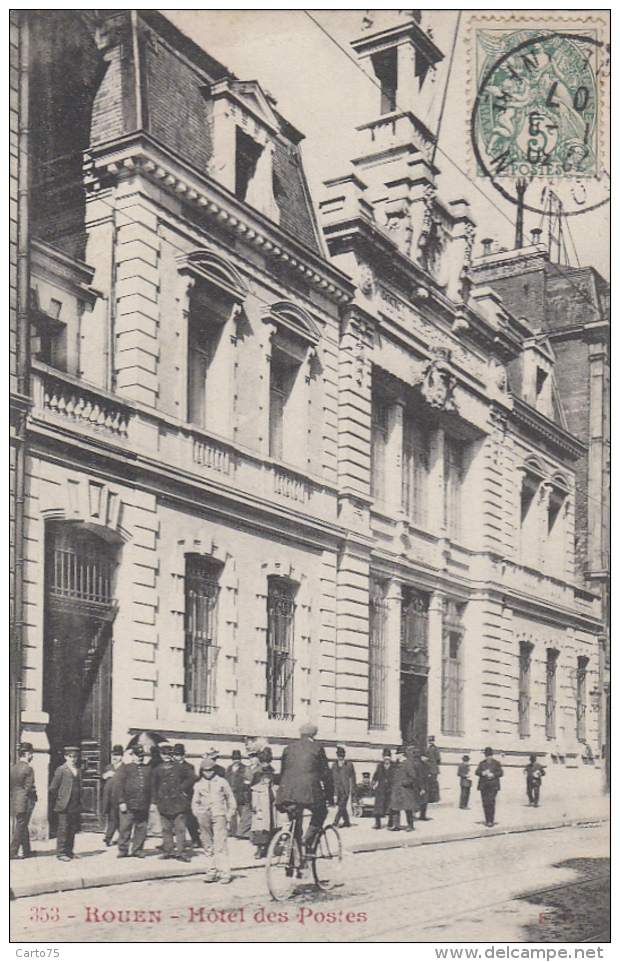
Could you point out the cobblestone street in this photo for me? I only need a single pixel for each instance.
(459, 891)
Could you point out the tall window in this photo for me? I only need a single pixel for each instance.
(377, 663)
(208, 314)
(282, 375)
(525, 667)
(582, 676)
(415, 471)
(378, 448)
(452, 680)
(550, 692)
(280, 637)
(413, 629)
(201, 603)
(454, 473)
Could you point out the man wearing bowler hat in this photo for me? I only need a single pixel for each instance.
(66, 800)
(134, 783)
(489, 773)
(343, 774)
(23, 799)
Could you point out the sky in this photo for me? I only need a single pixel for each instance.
(323, 93)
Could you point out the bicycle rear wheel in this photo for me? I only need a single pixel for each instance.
(283, 865)
(327, 859)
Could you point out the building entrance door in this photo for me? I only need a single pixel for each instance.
(413, 708)
(79, 615)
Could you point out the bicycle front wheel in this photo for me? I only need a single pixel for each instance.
(327, 862)
(283, 865)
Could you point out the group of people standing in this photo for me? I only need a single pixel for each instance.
(243, 800)
(408, 783)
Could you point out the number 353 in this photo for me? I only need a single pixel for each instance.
(41, 914)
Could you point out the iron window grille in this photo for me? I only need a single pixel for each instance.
(377, 651)
(280, 640)
(525, 669)
(452, 674)
(201, 651)
(414, 631)
(415, 472)
(550, 693)
(582, 675)
(81, 569)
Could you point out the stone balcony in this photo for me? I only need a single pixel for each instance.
(65, 402)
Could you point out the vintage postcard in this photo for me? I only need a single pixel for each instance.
(309, 492)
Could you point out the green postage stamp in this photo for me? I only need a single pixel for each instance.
(539, 100)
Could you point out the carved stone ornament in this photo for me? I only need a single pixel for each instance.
(366, 279)
(438, 381)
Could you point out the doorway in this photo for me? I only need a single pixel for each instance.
(413, 708)
(77, 666)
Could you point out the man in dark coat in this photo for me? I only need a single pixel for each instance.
(23, 799)
(66, 801)
(489, 773)
(434, 761)
(382, 785)
(171, 786)
(178, 753)
(343, 774)
(305, 780)
(403, 795)
(109, 799)
(134, 785)
(534, 773)
(237, 776)
(422, 776)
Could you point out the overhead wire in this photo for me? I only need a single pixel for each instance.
(469, 180)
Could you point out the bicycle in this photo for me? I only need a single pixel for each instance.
(289, 864)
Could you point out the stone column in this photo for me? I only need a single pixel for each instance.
(392, 659)
(394, 460)
(435, 658)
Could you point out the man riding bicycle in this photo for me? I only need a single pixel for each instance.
(306, 782)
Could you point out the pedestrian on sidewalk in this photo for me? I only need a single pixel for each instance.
(382, 787)
(263, 804)
(237, 778)
(422, 775)
(489, 773)
(214, 805)
(434, 761)
(109, 798)
(178, 753)
(171, 785)
(66, 800)
(343, 774)
(534, 773)
(23, 800)
(134, 787)
(403, 796)
(465, 780)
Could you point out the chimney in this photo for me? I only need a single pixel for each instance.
(536, 236)
(487, 243)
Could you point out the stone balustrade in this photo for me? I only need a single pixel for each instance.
(64, 398)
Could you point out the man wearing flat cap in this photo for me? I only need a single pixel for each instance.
(66, 800)
(109, 798)
(305, 780)
(178, 753)
(134, 786)
(23, 799)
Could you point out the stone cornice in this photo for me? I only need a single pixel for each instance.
(365, 237)
(140, 153)
(546, 429)
(77, 275)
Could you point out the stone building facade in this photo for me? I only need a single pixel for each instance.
(274, 473)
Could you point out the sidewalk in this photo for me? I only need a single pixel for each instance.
(99, 866)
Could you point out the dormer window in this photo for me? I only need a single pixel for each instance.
(247, 153)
